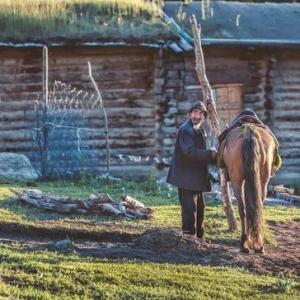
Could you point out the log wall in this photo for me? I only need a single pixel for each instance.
(286, 112)
(270, 83)
(127, 88)
(147, 93)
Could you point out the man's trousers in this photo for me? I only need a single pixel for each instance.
(192, 212)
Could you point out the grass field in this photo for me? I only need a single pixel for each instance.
(37, 273)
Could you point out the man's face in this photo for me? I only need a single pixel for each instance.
(197, 116)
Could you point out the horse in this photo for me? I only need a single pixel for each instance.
(249, 154)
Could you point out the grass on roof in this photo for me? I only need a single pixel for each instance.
(35, 20)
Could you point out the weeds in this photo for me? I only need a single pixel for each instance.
(150, 183)
(284, 283)
(23, 20)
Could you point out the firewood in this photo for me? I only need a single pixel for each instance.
(146, 210)
(101, 198)
(93, 202)
(132, 201)
(57, 198)
(81, 211)
(110, 209)
(15, 192)
(61, 200)
(61, 208)
(281, 189)
(291, 198)
(29, 200)
(121, 207)
(37, 194)
(34, 193)
(130, 208)
(138, 214)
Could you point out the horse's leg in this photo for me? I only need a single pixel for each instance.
(266, 173)
(238, 192)
(234, 164)
(258, 246)
(267, 151)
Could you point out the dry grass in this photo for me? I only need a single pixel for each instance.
(34, 20)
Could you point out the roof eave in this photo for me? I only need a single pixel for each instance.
(90, 44)
(177, 47)
(251, 42)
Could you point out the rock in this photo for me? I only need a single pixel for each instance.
(61, 245)
(16, 166)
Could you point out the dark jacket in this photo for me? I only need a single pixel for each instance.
(188, 169)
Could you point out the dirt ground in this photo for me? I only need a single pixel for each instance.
(173, 247)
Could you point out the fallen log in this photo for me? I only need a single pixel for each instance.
(106, 207)
(45, 204)
(94, 201)
(273, 189)
(131, 201)
(138, 214)
(293, 199)
(127, 207)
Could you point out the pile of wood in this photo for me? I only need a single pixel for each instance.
(126, 207)
(282, 194)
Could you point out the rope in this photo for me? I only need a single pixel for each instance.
(245, 127)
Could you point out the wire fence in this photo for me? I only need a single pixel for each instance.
(64, 147)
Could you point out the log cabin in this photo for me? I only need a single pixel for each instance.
(252, 61)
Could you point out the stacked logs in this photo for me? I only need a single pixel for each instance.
(283, 193)
(126, 207)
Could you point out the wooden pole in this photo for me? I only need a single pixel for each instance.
(44, 147)
(209, 101)
(105, 120)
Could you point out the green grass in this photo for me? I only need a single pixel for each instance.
(30, 20)
(43, 275)
(27, 273)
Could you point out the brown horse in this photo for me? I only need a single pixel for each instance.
(249, 152)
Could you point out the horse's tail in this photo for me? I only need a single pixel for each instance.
(253, 196)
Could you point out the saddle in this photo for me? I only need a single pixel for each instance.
(245, 116)
(247, 120)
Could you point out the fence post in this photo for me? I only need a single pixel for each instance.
(44, 162)
(105, 120)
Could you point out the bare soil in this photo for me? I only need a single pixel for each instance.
(173, 247)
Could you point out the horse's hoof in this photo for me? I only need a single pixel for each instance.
(244, 250)
(260, 251)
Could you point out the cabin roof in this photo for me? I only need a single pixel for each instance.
(222, 24)
(236, 23)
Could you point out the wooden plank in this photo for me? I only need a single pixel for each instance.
(281, 189)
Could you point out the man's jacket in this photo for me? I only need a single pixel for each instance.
(188, 169)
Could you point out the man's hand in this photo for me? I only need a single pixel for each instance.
(214, 153)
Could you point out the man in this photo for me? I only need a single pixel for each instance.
(188, 170)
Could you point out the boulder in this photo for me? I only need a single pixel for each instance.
(16, 166)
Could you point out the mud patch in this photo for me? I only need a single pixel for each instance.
(171, 246)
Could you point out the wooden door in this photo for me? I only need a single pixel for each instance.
(229, 102)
